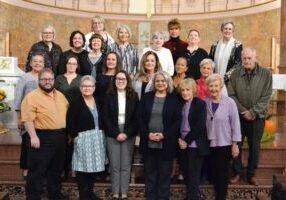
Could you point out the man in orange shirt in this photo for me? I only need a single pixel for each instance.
(44, 116)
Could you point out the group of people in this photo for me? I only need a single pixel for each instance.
(82, 108)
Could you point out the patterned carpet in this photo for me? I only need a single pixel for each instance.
(136, 191)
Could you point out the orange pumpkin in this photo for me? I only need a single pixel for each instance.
(270, 126)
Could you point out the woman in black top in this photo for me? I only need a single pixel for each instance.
(159, 126)
(194, 54)
(93, 61)
(120, 127)
(111, 65)
(77, 42)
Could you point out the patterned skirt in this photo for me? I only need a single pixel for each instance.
(89, 151)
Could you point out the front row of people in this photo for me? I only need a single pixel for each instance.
(164, 119)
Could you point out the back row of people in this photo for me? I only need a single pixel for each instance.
(92, 48)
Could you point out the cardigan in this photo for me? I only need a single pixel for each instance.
(110, 115)
(80, 118)
(87, 65)
(223, 126)
(234, 59)
(197, 121)
(52, 57)
(171, 123)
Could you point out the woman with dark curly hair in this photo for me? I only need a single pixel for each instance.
(77, 42)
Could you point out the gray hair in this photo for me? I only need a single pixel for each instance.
(87, 78)
(252, 50)
(50, 27)
(215, 77)
(207, 61)
(123, 26)
(99, 18)
(225, 23)
(188, 83)
(168, 79)
(158, 34)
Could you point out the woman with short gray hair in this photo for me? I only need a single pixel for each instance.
(223, 129)
(48, 48)
(226, 52)
(89, 140)
(164, 54)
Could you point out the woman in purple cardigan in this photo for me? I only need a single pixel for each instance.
(223, 130)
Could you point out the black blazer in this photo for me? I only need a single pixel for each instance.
(197, 120)
(79, 117)
(171, 122)
(110, 115)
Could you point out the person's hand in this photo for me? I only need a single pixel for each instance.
(20, 125)
(35, 142)
(248, 115)
(182, 143)
(154, 137)
(121, 137)
(234, 150)
(160, 136)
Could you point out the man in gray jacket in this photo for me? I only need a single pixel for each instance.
(251, 87)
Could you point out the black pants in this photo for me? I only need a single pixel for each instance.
(47, 161)
(24, 152)
(253, 131)
(191, 166)
(85, 182)
(157, 176)
(220, 159)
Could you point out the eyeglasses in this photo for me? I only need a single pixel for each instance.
(47, 79)
(87, 86)
(120, 79)
(48, 33)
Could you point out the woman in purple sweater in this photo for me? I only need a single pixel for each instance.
(223, 130)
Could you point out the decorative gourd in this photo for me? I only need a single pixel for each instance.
(270, 126)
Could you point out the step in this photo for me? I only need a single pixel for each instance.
(10, 171)
(136, 191)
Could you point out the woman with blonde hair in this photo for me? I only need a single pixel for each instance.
(149, 65)
(193, 141)
(126, 51)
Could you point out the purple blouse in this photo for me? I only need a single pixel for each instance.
(185, 125)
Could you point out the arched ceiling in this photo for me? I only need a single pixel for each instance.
(150, 9)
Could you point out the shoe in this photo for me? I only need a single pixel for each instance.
(252, 181)
(235, 179)
(115, 197)
(124, 197)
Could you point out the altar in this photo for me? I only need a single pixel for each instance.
(9, 75)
